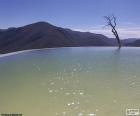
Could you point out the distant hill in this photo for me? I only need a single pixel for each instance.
(124, 42)
(135, 43)
(44, 35)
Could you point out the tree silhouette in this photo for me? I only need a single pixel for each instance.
(111, 21)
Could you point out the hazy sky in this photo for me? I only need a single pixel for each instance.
(82, 15)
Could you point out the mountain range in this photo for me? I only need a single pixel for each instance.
(44, 35)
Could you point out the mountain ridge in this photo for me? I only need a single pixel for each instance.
(45, 35)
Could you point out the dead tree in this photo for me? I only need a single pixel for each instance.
(111, 21)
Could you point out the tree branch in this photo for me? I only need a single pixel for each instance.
(111, 21)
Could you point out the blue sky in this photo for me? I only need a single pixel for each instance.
(82, 15)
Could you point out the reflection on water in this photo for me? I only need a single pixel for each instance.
(70, 82)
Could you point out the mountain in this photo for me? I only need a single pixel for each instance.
(44, 35)
(124, 42)
(134, 43)
(127, 42)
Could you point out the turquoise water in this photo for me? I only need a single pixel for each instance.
(84, 81)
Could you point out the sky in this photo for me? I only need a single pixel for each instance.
(80, 15)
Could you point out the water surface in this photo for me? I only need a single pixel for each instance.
(70, 81)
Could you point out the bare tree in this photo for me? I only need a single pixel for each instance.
(111, 21)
